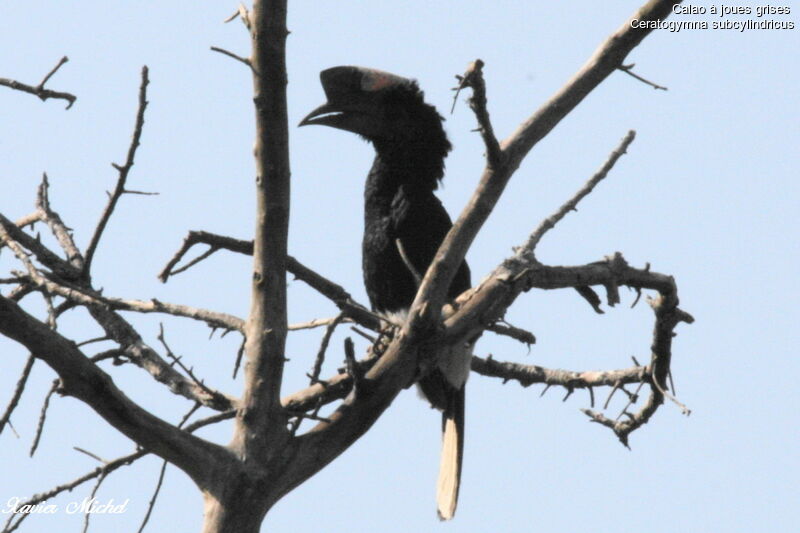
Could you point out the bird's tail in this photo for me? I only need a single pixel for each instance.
(452, 454)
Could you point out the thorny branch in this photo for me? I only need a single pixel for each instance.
(123, 170)
(107, 468)
(389, 367)
(40, 90)
(473, 78)
(528, 375)
(334, 292)
(550, 222)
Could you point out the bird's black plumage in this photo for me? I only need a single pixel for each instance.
(404, 222)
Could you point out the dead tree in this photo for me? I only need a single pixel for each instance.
(269, 456)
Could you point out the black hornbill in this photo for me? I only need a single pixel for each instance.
(404, 224)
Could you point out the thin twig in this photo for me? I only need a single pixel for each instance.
(151, 504)
(93, 340)
(60, 230)
(570, 205)
(334, 292)
(528, 375)
(473, 78)
(610, 394)
(19, 241)
(239, 58)
(39, 90)
(43, 416)
(117, 354)
(632, 399)
(317, 323)
(353, 370)
(52, 71)
(326, 338)
(177, 360)
(23, 379)
(242, 13)
(363, 334)
(239, 355)
(106, 469)
(90, 454)
(513, 332)
(123, 170)
(407, 262)
(88, 516)
(628, 69)
(684, 410)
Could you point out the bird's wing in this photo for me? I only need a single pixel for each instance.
(419, 224)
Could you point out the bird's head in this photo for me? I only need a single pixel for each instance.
(384, 108)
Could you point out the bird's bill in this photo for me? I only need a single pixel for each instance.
(323, 115)
(356, 117)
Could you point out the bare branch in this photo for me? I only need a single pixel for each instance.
(397, 366)
(152, 503)
(327, 390)
(241, 59)
(334, 292)
(606, 59)
(326, 338)
(473, 78)
(528, 375)
(522, 272)
(550, 222)
(263, 424)
(316, 323)
(100, 470)
(60, 231)
(177, 360)
(513, 332)
(242, 13)
(212, 318)
(12, 404)
(85, 381)
(90, 454)
(140, 193)
(88, 516)
(214, 241)
(43, 416)
(52, 71)
(407, 262)
(10, 233)
(123, 333)
(39, 90)
(123, 170)
(628, 69)
(110, 466)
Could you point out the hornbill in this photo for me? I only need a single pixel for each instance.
(404, 224)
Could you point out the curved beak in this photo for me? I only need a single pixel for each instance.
(324, 115)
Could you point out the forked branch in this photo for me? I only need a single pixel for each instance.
(40, 90)
(123, 171)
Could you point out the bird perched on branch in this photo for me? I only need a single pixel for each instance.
(404, 224)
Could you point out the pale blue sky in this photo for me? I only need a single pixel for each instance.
(708, 193)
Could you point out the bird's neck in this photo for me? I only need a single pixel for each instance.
(416, 167)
